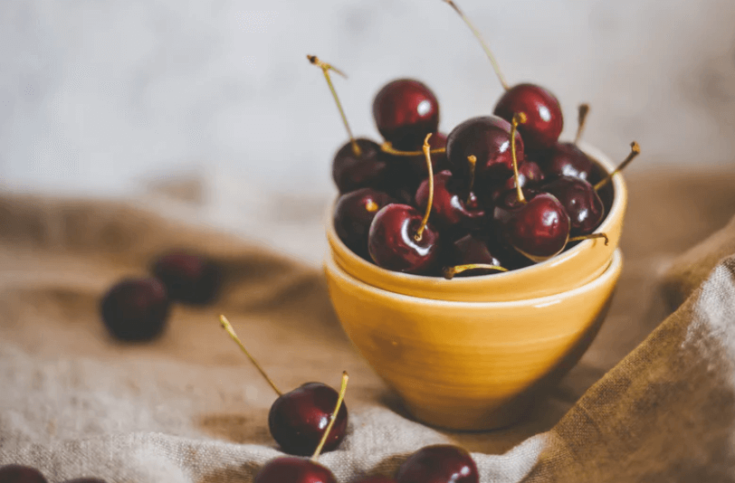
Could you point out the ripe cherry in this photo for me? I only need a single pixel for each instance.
(135, 309)
(580, 201)
(470, 255)
(534, 224)
(488, 139)
(530, 175)
(299, 419)
(298, 470)
(455, 207)
(405, 111)
(188, 277)
(439, 464)
(359, 163)
(544, 117)
(566, 159)
(400, 239)
(353, 214)
(20, 474)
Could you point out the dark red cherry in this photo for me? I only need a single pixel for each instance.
(188, 277)
(488, 139)
(297, 419)
(471, 250)
(20, 474)
(581, 202)
(135, 309)
(543, 112)
(452, 208)
(294, 470)
(566, 159)
(393, 243)
(439, 464)
(405, 111)
(352, 171)
(537, 228)
(529, 175)
(353, 214)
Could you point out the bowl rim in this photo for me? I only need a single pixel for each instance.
(618, 205)
(616, 261)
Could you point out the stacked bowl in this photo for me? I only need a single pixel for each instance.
(473, 353)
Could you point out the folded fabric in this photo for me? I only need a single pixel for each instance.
(189, 407)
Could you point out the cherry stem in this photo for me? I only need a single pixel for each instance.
(325, 69)
(450, 272)
(387, 147)
(430, 202)
(584, 109)
(472, 159)
(519, 118)
(340, 398)
(228, 328)
(487, 50)
(635, 150)
(590, 237)
(371, 206)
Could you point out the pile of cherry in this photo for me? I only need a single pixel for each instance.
(500, 192)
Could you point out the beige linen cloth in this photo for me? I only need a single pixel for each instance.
(652, 400)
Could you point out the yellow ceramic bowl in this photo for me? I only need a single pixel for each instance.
(470, 365)
(572, 268)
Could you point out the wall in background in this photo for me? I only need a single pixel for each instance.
(97, 95)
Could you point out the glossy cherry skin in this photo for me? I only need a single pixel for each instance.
(353, 214)
(188, 277)
(351, 172)
(530, 175)
(538, 229)
(451, 208)
(544, 121)
(405, 111)
(294, 470)
(471, 249)
(488, 139)
(136, 309)
(439, 464)
(297, 419)
(566, 159)
(20, 474)
(581, 202)
(392, 244)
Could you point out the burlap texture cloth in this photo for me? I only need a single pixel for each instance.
(652, 400)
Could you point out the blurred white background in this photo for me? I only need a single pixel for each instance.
(97, 96)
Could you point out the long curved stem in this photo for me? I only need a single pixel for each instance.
(450, 272)
(635, 150)
(387, 147)
(584, 109)
(340, 398)
(430, 201)
(519, 118)
(231, 332)
(325, 69)
(589, 237)
(487, 50)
